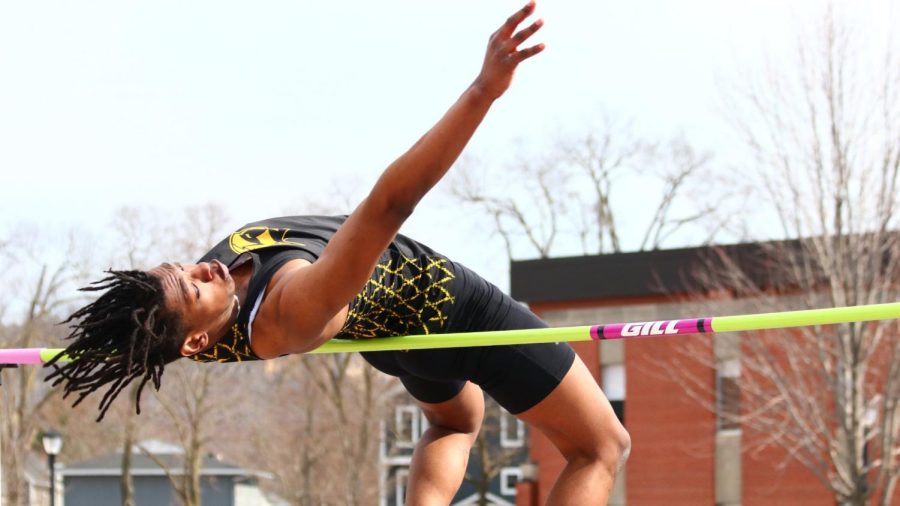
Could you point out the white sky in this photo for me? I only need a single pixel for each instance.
(261, 105)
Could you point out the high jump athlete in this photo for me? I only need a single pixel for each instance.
(287, 285)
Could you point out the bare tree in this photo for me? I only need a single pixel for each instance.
(43, 298)
(140, 237)
(354, 394)
(678, 165)
(315, 428)
(43, 301)
(137, 232)
(191, 400)
(292, 437)
(192, 410)
(825, 136)
(129, 437)
(534, 218)
(199, 229)
(570, 192)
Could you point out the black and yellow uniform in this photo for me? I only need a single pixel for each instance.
(413, 290)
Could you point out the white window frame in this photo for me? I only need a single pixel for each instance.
(505, 473)
(505, 440)
(402, 415)
(401, 477)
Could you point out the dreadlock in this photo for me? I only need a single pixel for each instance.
(125, 334)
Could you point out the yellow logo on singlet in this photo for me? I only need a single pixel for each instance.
(253, 238)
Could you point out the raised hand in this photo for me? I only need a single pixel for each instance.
(503, 53)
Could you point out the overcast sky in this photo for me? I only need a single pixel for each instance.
(261, 105)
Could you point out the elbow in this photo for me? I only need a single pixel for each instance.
(395, 206)
(402, 209)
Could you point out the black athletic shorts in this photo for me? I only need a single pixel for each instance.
(517, 377)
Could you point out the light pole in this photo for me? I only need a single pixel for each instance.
(52, 442)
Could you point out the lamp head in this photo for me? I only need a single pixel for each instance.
(52, 442)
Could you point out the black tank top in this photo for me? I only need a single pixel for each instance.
(407, 293)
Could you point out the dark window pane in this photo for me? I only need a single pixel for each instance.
(619, 409)
(728, 403)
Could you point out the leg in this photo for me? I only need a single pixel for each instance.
(454, 408)
(579, 421)
(548, 387)
(440, 458)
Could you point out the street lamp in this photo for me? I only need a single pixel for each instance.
(52, 442)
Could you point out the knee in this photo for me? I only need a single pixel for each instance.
(623, 445)
(615, 450)
(610, 452)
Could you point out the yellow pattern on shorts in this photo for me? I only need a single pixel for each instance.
(404, 296)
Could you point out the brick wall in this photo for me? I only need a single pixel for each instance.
(673, 440)
(673, 459)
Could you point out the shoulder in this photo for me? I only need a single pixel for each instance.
(266, 328)
(290, 319)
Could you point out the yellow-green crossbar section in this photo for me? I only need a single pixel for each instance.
(737, 323)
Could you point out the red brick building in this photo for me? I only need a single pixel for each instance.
(682, 452)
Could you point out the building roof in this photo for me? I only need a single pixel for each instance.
(157, 447)
(643, 273)
(143, 465)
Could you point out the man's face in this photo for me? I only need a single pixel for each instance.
(203, 294)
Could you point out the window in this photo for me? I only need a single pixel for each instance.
(614, 388)
(509, 477)
(728, 395)
(406, 426)
(512, 431)
(400, 480)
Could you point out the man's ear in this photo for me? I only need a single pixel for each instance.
(194, 343)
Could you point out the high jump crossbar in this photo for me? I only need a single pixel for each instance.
(736, 323)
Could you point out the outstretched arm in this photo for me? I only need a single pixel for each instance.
(350, 257)
(412, 175)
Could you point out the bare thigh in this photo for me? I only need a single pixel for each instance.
(576, 416)
(462, 413)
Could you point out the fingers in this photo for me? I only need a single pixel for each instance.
(507, 43)
(503, 56)
(525, 33)
(513, 21)
(524, 54)
(518, 56)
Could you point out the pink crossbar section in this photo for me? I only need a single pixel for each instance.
(650, 329)
(21, 356)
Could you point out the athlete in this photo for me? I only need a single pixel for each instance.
(287, 285)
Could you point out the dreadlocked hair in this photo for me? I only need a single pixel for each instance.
(125, 334)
